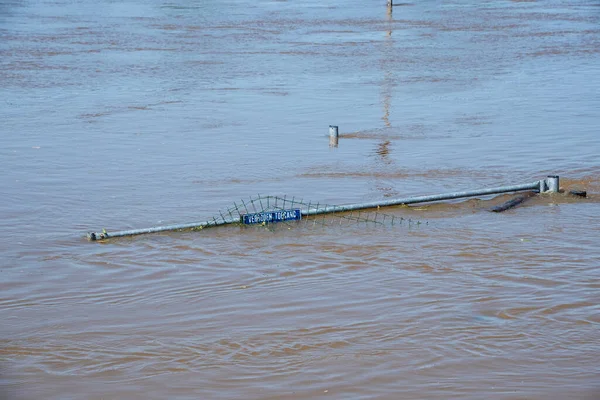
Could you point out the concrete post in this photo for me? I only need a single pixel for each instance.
(333, 135)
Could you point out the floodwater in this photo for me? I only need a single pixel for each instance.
(132, 114)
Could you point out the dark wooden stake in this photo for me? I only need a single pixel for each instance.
(515, 201)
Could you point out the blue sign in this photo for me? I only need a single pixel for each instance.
(271, 216)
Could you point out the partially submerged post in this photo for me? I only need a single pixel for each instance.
(552, 183)
(578, 193)
(333, 135)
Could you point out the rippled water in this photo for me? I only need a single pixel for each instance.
(124, 115)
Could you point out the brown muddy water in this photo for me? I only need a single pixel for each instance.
(133, 114)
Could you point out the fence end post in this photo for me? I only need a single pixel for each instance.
(552, 183)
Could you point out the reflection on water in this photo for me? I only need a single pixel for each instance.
(123, 115)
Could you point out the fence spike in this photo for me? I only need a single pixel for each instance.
(262, 208)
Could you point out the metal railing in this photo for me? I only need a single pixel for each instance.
(550, 184)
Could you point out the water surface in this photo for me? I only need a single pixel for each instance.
(122, 115)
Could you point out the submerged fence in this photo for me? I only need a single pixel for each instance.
(275, 209)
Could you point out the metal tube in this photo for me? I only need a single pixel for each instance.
(425, 199)
(552, 183)
(93, 236)
(105, 235)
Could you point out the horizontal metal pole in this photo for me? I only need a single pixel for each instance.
(329, 209)
(426, 199)
(198, 225)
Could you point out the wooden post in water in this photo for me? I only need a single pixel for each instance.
(515, 201)
(390, 3)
